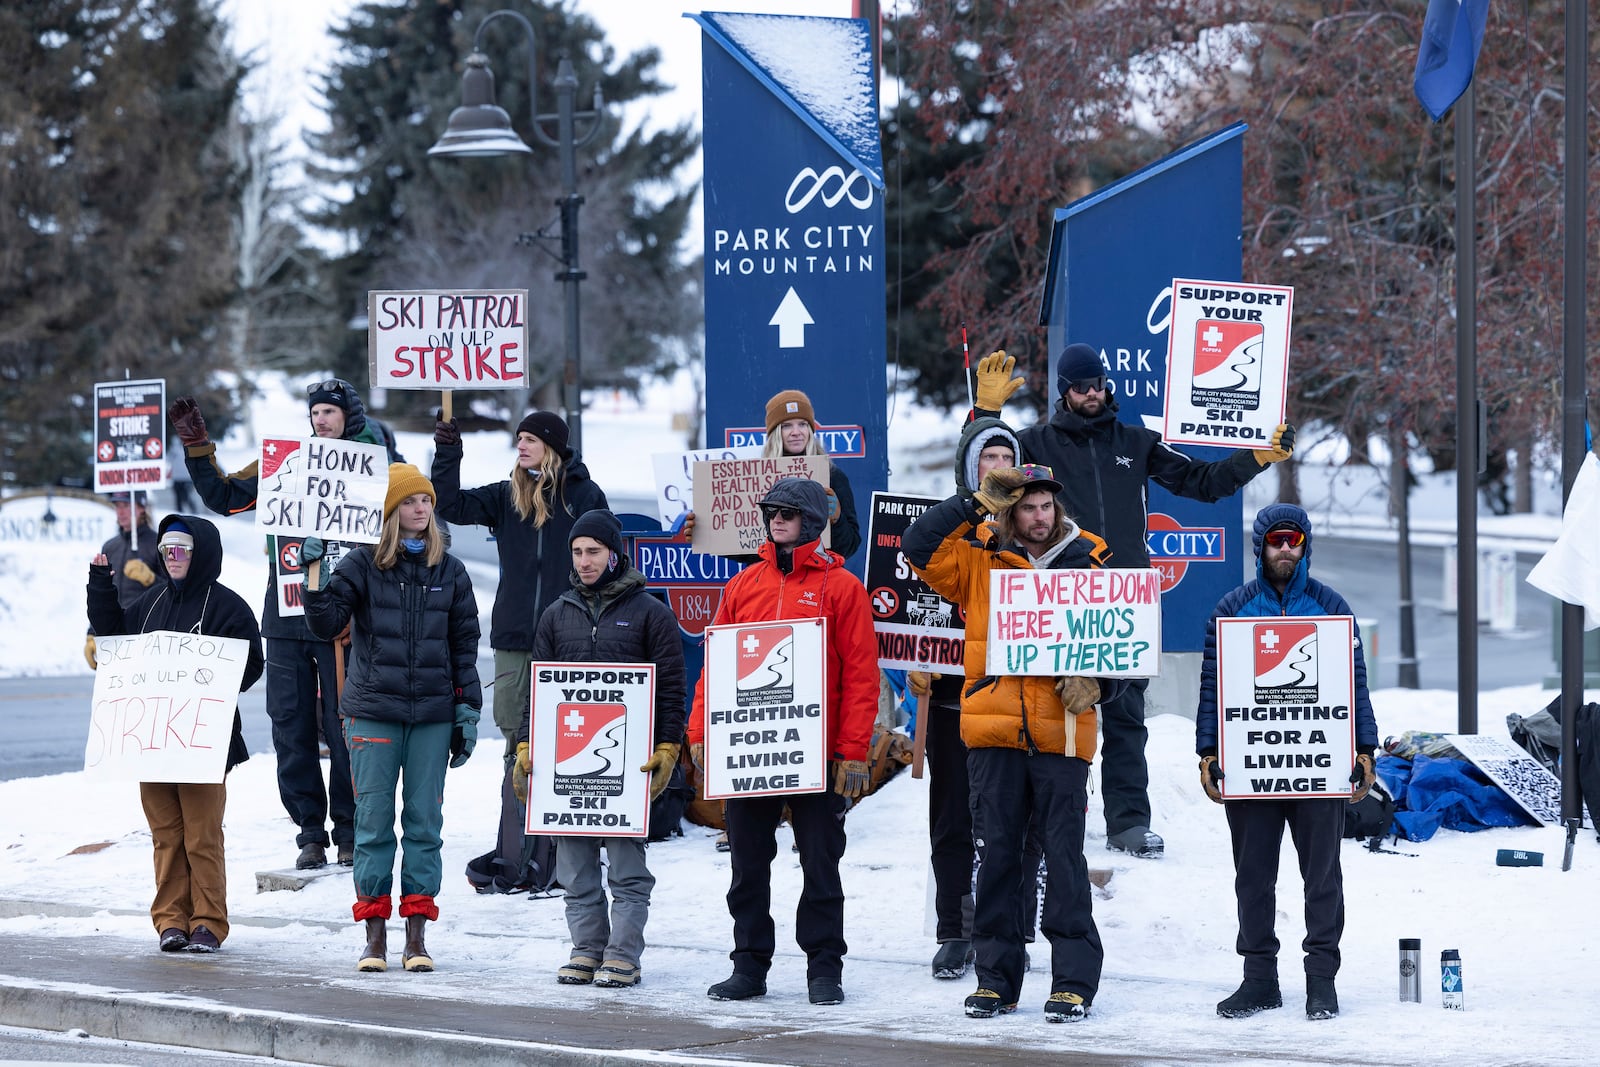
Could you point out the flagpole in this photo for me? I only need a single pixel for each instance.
(1468, 446)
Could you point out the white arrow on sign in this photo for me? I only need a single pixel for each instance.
(791, 319)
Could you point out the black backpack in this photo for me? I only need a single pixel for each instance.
(520, 862)
(1373, 815)
(666, 810)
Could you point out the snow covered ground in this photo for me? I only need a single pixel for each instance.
(1527, 936)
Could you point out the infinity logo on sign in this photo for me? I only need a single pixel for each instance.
(816, 185)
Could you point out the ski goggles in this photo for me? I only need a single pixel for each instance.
(1285, 538)
(1084, 386)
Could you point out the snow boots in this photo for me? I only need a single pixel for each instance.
(415, 954)
(202, 940)
(313, 857)
(738, 987)
(1253, 995)
(1138, 841)
(1064, 1008)
(1322, 1002)
(825, 991)
(986, 1004)
(375, 957)
(616, 974)
(174, 940)
(579, 970)
(952, 958)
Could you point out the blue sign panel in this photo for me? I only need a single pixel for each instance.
(1113, 256)
(794, 245)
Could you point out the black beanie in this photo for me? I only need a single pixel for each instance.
(548, 427)
(335, 391)
(1078, 362)
(601, 525)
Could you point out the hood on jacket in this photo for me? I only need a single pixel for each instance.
(979, 434)
(205, 566)
(1272, 515)
(808, 497)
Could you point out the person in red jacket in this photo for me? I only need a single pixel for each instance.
(797, 578)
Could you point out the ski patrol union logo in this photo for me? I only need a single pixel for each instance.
(1285, 662)
(1227, 364)
(765, 670)
(590, 742)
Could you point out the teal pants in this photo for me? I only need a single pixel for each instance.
(385, 756)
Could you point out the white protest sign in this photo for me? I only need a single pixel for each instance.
(448, 339)
(1227, 363)
(726, 495)
(675, 477)
(130, 446)
(593, 727)
(1286, 706)
(1100, 623)
(321, 487)
(766, 730)
(1520, 776)
(163, 706)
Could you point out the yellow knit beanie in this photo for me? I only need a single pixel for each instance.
(405, 480)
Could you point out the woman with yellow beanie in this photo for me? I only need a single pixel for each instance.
(410, 703)
(792, 431)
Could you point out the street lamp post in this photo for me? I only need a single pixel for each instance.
(479, 128)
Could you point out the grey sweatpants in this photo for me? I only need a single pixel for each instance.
(618, 935)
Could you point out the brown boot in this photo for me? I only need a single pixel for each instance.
(415, 955)
(375, 956)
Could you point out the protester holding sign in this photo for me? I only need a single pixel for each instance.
(411, 703)
(1105, 465)
(302, 678)
(135, 567)
(796, 578)
(1029, 739)
(1283, 586)
(608, 616)
(530, 515)
(190, 909)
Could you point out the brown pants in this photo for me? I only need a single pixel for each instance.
(191, 879)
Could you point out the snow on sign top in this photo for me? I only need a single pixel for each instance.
(824, 65)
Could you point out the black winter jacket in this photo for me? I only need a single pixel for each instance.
(118, 550)
(198, 604)
(534, 560)
(1103, 465)
(621, 623)
(413, 636)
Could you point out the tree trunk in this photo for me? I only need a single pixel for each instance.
(1522, 481)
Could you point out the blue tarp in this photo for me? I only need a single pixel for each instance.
(1446, 793)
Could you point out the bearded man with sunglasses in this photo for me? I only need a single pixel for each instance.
(1104, 465)
(1284, 586)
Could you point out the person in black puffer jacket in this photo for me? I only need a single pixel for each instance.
(410, 703)
(190, 910)
(609, 617)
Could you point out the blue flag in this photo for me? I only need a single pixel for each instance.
(1452, 34)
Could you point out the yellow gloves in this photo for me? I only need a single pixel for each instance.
(1362, 775)
(1282, 446)
(520, 772)
(850, 778)
(995, 383)
(88, 653)
(1077, 693)
(660, 765)
(920, 683)
(1000, 489)
(1211, 777)
(139, 571)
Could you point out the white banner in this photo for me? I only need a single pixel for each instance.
(675, 477)
(317, 486)
(592, 729)
(766, 729)
(1098, 623)
(1286, 706)
(448, 339)
(163, 706)
(1227, 363)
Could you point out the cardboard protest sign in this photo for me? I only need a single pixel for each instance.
(593, 727)
(1099, 623)
(1286, 706)
(765, 714)
(130, 446)
(448, 339)
(918, 630)
(726, 492)
(1227, 363)
(320, 487)
(163, 706)
(675, 477)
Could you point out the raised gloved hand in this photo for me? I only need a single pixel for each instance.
(311, 550)
(139, 571)
(445, 432)
(1000, 489)
(464, 738)
(1077, 693)
(995, 383)
(920, 683)
(88, 652)
(1282, 446)
(187, 422)
(850, 778)
(1362, 775)
(833, 506)
(660, 765)
(1211, 777)
(520, 771)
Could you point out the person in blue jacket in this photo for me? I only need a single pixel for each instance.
(1283, 586)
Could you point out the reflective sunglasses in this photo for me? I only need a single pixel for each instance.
(775, 512)
(176, 552)
(1285, 538)
(1084, 386)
